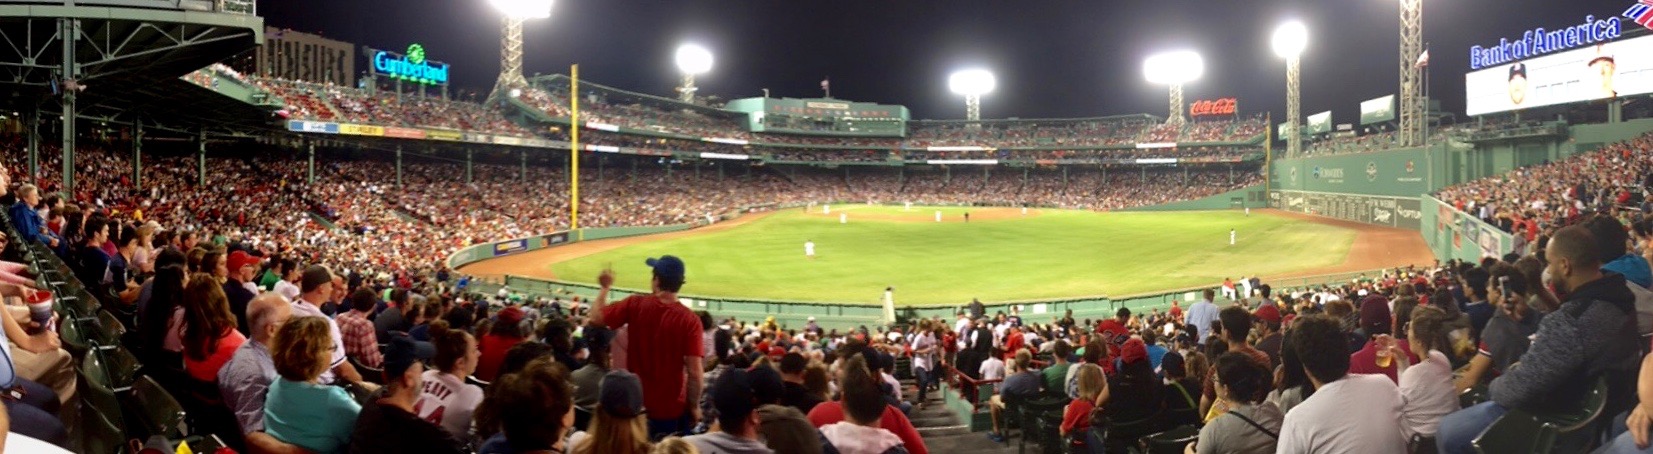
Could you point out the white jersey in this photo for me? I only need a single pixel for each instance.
(448, 401)
(809, 248)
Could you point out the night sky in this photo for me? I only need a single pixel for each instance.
(1053, 58)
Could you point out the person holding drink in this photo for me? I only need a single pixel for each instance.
(1426, 387)
(1373, 358)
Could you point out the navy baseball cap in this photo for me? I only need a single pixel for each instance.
(403, 352)
(1518, 68)
(667, 267)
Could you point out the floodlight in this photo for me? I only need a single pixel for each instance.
(523, 9)
(1174, 68)
(693, 59)
(1290, 39)
(972, 82)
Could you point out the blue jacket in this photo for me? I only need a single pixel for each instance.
(28, 222)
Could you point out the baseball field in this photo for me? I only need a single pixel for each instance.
(1001, 254)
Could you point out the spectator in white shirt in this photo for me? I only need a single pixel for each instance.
(993, 367)
(1347, 413)
(1427, 386)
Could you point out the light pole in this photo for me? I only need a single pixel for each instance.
(1174, 69)
(510, 43)
(972, 83)
(1412, 107)
(692, 60)
(1289, 40)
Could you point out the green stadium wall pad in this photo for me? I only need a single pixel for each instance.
(1453, 234)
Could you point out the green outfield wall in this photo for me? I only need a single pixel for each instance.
(1402, 172)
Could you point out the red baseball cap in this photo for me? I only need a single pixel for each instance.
(239, 259)
(1267, 313)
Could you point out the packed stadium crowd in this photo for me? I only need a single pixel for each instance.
(307, 100)
(1527, 201)
(318, 338)
(306, 358)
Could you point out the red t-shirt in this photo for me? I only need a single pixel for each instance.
(1077, 416)
(492, 355)
(893, 421)
(1176, 313)
(662, 334)
(1012, 344)
(1113, 332)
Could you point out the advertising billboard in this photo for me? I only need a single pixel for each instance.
(1378, 110)
(1602, 71)
(1214, 107)
(1319, 123)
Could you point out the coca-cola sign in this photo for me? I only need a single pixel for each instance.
(1210, 107)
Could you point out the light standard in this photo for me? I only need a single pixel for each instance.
(510, 43)
(692, 60)
(1174, 69)
(972, 83)
(1412, 108)
(1289, 40)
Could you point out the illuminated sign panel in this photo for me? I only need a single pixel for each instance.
(1214, 107)
(1539, 41)
(412, 67)
(1603, 71)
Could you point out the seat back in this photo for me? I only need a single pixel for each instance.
(98, 434)
(1516, 431)
(1172, 441)
(1582, 415)
(122, 365)
(96, 393)
(375, 375)
(162, 413)
(73, 337)
(112, 327)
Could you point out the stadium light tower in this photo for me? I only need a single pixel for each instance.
(1174, 69)
(692, 60)
(510, 43)
(1412, 107)
(1289, 40)
(972, 83)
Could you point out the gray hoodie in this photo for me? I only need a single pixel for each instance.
(723, 443)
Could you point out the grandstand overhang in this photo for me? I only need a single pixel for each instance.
(117, 44)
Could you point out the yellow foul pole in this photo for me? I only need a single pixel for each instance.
(1268, 153)
(574, 148)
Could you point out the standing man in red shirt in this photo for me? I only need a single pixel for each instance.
(1013, 342)
(667, 349)
(1113, 330)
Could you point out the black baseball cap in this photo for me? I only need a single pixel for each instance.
(403, 352)
(620, 394)
(1518, 69)
(732, 394)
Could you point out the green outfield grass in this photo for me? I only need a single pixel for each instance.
(1050, 254)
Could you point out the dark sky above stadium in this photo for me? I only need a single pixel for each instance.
(1053, 58)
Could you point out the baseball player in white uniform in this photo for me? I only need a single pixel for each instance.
(809, 249)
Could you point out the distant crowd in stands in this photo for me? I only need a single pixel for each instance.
(1529, 201)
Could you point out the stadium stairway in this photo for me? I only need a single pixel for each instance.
(944, 433)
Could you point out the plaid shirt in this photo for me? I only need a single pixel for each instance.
(360, 342)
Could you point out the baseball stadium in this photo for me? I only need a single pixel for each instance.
(307, 226)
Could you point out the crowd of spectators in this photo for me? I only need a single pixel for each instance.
(1530, 201)
(310, 348)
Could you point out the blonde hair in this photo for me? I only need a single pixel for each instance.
(611, 434)
(302, 349)
(1091, 382)
(674, 445)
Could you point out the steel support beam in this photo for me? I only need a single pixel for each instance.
(137, 153)
(1412, 105)
(70, 31)
(398, 165)
(310, 171)
(201, 159)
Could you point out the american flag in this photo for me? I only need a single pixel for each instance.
(827, 84)
(1423, 58)
(1641, 13)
